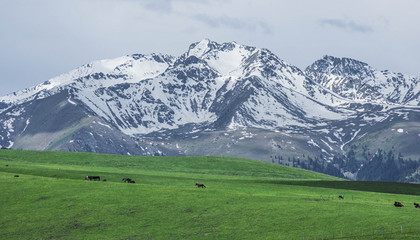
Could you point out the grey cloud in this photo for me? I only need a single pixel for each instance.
(157, 5)
(165, 6)
(234, 23)
(347, 25)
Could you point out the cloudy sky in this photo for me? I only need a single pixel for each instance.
(44, 38)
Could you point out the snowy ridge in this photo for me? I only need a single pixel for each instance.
(140, 96)
(222, 85)
(102, 73)
(357, 81)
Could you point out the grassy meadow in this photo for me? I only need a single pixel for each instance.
(243, 199)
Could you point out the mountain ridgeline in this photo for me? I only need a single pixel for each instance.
(340, 116)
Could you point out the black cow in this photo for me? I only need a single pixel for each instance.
(398, 204)
(200, 185)
(7, 165)
(94, 178)
(126, 179)
(16, 176)
(416, 205)
(131, 181)
(341, 197)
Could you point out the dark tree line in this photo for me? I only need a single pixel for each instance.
(316, 164)
(387, 166)
(380, 166)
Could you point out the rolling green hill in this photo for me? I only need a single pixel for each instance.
(243, 199)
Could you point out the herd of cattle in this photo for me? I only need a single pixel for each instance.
(200, 185)
(128, 180)
(98, 178)
(396, 204)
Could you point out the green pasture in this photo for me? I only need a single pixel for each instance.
(243, 199)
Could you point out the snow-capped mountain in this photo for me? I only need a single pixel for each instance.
(358, 81)
(142, 94)
(242, 101)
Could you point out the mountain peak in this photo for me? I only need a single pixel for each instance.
(201, 48)
(336, 61)
(198, 49)
(341, 67)
(357, 80)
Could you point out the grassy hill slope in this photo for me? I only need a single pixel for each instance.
(244, 199)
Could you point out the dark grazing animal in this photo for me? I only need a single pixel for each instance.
(200, 185)
(95, 178)
(341, 197)
(16, 176)
(398, 204)
(416, 205)
(7, 165)
(104, 180)
(126, 179)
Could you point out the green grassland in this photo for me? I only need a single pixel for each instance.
(244, 199)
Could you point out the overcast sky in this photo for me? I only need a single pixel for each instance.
(44, 38)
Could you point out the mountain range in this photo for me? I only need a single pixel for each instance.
(338, 116)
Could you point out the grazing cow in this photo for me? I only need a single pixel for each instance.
(416, 205)
(16, 176)
(7, 165)
(398, 204)
(126, 179)
(200, 185)
(341, 197)
(95, 178)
